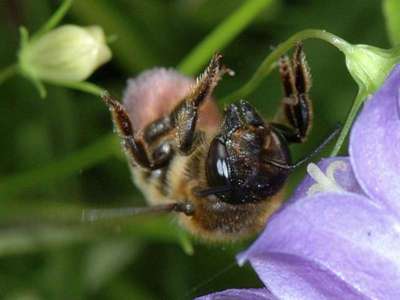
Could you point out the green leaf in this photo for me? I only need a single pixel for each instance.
(391, 10)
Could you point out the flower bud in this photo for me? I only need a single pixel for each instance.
(68, 53)
(370, 65)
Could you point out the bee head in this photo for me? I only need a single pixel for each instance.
(237, 167)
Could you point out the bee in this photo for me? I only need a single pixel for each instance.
(222, 175)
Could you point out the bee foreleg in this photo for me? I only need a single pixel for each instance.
(134, 147)
(185, 114)
(157, 129)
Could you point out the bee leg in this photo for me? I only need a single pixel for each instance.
(157, 129)
(92, 215)
(180, 124)
(134, 147)
(184, 116)
(296, 81)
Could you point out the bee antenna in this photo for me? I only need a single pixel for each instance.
(306, 159)
(92, 215)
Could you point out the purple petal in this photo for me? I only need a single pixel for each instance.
(375, 144)
(240, 294)
(329, 246)
(344, 178)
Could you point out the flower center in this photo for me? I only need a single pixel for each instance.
(325, 182)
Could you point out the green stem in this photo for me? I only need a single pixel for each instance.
(39, 87)
(8, 72)
(222, 35)
(84, 158)
(185, 242)
(391, 11)
(55, 19)
(362, 94)
(84, 86)
(269, 62)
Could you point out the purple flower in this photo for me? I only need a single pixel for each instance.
(339, 235)
(238, 294)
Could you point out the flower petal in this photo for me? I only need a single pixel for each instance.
(240, 294)
(329, 246)
(375, 144)
(343, 175)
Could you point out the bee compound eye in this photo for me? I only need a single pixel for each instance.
(218, 171)
(221, 177)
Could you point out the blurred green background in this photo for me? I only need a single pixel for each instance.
(58, 156)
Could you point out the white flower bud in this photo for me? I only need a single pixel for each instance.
(370, 65)
(68, 53)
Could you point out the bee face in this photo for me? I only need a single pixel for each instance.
(237, 161)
